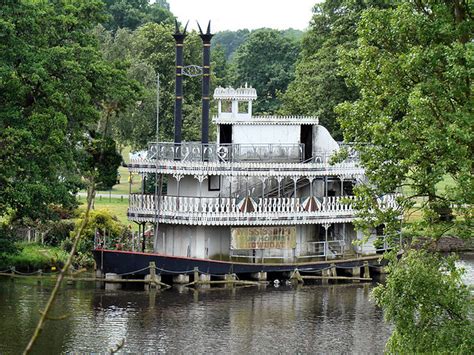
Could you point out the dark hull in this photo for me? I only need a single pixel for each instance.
(136, 263)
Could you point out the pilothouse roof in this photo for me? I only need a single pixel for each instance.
(239, 94)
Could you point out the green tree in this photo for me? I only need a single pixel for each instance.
(412, 125)
(429, 305)
(413, 121)
(319, 86)
(266, 61)
(133, 13)
(54, 85)
(230, 41)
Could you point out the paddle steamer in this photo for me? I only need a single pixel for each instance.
(264, 197)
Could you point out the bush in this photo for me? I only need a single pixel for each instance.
(430, 307)
(101, 225)
(7, 246)
(58, 231)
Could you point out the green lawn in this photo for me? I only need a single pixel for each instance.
(115, 206)
(32, 257)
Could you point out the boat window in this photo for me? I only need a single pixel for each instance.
(214, 183)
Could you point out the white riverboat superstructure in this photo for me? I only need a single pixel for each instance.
(265, 192)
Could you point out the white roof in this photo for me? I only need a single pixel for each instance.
(268, 120)
(240, 94)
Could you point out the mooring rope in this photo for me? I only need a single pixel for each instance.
(175, 272)
(133, 272)
(305, 270)
(314, 269)
(25, 273)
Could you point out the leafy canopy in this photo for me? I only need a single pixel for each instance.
(54, 85)
(425, 299)
(412, 123)
(133, 13)
(319, 86)
(266, 61)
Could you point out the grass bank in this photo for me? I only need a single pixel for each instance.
(31, 257)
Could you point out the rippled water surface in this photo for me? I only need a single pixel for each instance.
(309, 319)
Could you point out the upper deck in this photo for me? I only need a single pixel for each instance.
(240, 159)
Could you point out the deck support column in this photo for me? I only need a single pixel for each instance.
(310, 179)
(279, 179)
(366, 269)
(326, 249)
(153, 279)
(295, 180)
(181, 279)
(259, 276)
(114, 284)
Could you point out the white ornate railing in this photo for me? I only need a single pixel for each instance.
(212, 152)
(321, 248)
(230, 205)
(229, 211)
(145, 165)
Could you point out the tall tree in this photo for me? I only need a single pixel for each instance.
(133, 13)
(53, 89)
(426, 300)
(230, 41)
(413, 121)
(266, 61)
(412, 125)
(319, 86)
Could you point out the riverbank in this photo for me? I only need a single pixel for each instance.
(446, 244)
(32, 257)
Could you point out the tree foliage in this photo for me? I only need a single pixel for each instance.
(54, 87)
(230, 41)
(319, 86)
(266, 61)
(101, 227)
(428, 304)
(133, 13)
(413, 121)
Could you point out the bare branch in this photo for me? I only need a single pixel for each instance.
(64, 270)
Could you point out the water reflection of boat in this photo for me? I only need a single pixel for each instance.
(263, 197)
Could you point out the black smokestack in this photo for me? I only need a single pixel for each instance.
(178, 105)
(206, 79)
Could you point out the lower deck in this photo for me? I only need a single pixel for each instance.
(262, 244)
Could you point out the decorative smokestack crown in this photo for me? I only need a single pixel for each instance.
(206, 37)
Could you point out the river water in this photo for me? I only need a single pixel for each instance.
(316, 318)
